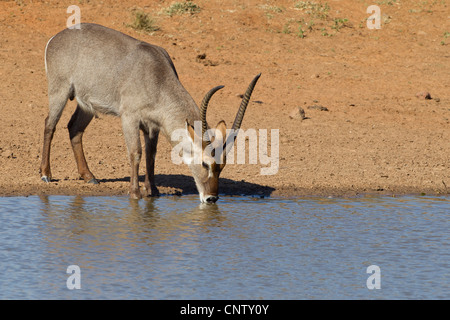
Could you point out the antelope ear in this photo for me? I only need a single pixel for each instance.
(186, 152)
(222, 128)
(190, 130)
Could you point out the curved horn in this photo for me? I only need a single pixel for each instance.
(240, 114)
(229, 141)
(203, 108)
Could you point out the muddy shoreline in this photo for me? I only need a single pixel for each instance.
(366, 129)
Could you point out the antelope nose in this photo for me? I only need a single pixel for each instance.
(211, 199)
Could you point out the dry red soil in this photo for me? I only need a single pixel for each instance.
(377, 136)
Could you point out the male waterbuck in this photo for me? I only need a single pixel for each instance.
(109, 72)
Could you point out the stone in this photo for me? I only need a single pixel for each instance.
(297, 113)
(423, 95)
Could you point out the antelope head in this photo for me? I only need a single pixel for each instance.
(213, 148)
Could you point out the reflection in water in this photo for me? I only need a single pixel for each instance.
(240, 248)
(120, 232)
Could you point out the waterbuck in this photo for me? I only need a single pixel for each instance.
(109, 72)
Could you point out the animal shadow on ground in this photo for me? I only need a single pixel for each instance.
(187, 185)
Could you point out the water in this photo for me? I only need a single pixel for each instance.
(242, 248)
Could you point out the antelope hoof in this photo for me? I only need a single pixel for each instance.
(135, 195)
(93, 181)
(45, 179)
(154, 192)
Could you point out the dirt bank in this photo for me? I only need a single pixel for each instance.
(373, 134)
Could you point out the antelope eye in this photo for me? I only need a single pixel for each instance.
(205, 165)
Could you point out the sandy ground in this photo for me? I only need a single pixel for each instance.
(375, 136)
